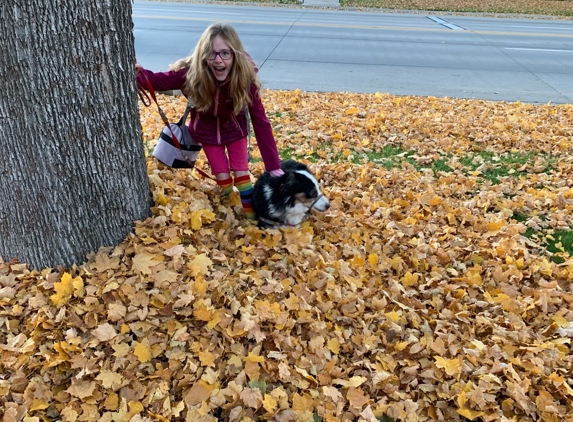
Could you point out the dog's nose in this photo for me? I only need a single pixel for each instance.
(321, 205)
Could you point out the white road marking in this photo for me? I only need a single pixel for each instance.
(539, 49)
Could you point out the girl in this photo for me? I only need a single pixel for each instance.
(220, 80)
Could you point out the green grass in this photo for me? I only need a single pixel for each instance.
(559, 8)
(529, 7)
(559, 243)
(563, 8)
(492, 167)
(440, 165)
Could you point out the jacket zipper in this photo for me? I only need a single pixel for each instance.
(238, 125)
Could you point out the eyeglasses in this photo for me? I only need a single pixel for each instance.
(223, 54)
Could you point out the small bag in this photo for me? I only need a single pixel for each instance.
(175, 146)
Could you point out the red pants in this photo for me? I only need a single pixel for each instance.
(223, 158)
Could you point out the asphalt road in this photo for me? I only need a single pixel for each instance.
(528, 60)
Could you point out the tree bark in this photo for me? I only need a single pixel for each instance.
(72, 165)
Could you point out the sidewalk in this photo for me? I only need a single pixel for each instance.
(321, 3)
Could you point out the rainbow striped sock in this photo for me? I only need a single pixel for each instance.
(226, 185)
(243, 183)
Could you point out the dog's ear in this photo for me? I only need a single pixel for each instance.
(288, 184)
(292, 165)
(302, 167)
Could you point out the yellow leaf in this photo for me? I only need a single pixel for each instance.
(161, 200)
(269, 403)
(560, 321)
(333, 345)
(452, 367)
(135, 407)
(64, 290)
(215, 320)
(200, 264)
(409, 279)
(78, 285)
(202, 313)
(142, 351)
(352, 110)
(498, 298)
(207, 358)
(38, 404)
(254, 358)
(198, 217)
(435, 201)
(470, 414)
(474, 278)
(462, 399)
(143, 262)
(373, 259)
(495, 225)
(271, 241)
(155, 416)
(393, 316)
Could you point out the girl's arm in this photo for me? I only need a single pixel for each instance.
(264, 133)
(161, 81)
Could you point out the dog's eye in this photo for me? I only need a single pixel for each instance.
(313, 193)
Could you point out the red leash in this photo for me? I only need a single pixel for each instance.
(147, 102)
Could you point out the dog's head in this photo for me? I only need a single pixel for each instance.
(300, 189)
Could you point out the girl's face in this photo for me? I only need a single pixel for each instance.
(221, 60)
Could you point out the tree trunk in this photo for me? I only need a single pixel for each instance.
(72, 166)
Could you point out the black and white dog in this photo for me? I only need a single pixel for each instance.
(288, 199)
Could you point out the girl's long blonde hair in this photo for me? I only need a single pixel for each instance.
(200, 85)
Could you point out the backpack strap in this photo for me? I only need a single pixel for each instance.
(248, 133)
(247, 115)
(161, 113)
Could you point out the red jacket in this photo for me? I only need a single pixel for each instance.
(218, 125)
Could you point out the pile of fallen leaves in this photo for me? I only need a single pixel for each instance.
(416, 297)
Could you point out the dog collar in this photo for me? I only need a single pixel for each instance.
(314, 202)
(276, 224)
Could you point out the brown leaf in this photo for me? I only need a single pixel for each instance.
(252, 397)
(357, 398)
(197, 394)
(105, 332)
(81, 389)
